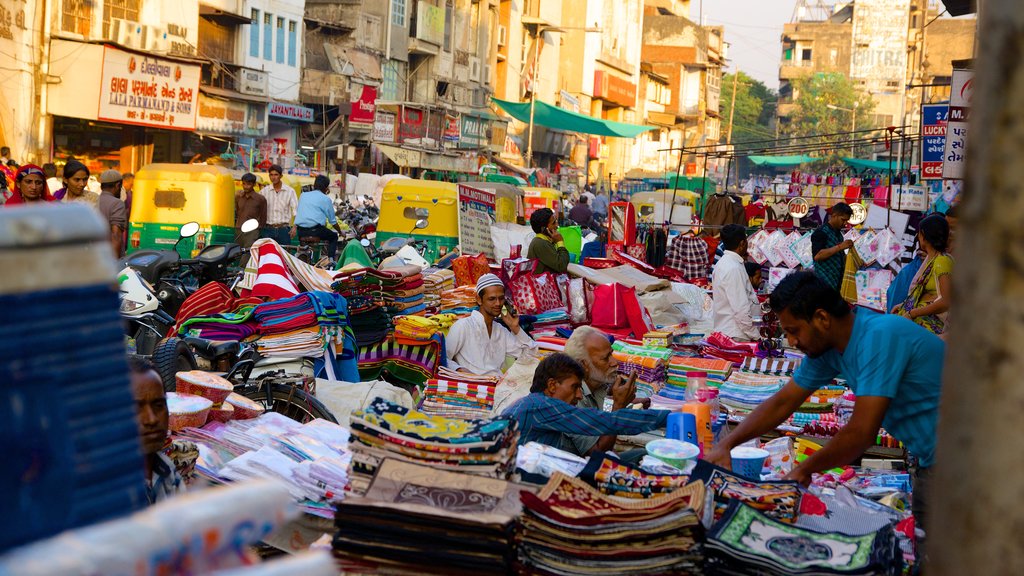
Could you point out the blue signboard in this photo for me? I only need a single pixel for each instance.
(933, 139)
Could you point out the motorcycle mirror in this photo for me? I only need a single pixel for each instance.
(365, 243)
(189, 230)
(249, 225)
(421, 224)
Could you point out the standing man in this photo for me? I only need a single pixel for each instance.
(827, 246)
(112, 208)
(282, 204)
(600, 205)
(892, 365)
(249, 205)
(316, 209)
(478, 344)
(733, 299)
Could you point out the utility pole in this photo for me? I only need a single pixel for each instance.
(974, 523)
(732, 107)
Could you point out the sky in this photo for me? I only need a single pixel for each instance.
(753, 29)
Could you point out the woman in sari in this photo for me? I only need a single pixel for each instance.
(928, 299)
(29, 186)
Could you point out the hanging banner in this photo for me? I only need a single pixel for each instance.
(451, 129)
(933, 139)
(476, 214)
(148, 91)
(956, 128)
(472, 132)
(363, 108)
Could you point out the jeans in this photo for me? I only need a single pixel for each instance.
(279, 235)
(324, 233)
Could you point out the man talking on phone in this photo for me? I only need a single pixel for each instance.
(479, 345)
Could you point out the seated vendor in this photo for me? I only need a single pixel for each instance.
(592, 349)
(162, 478)
(549, 411)
(478, 344)
(547, 247)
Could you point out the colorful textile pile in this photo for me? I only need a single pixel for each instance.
(718, 370)
(405, 296)
(610, 475)
(301, 325)
(651, 372)
(312, 459)
(570, 528)
(229, 326)
(548, 323)
(771, 366)
(436, 281)
(412, 363)
(778, 499)
(745, 391)
(720, 346)
(458, 399)
(419, 520)
(423, 328)
(461, 300)
(745, 541)
(211, 299)
(386, 430)
(369, 320)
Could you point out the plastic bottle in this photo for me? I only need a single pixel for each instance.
(696, 383)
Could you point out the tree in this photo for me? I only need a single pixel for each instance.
(811, 115)
(755, 108)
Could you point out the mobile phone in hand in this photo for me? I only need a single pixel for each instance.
(510, 309)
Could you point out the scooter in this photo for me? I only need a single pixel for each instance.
(409, 250)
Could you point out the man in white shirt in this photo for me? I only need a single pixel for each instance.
(282, 204)
(734, 300)
(478, 344)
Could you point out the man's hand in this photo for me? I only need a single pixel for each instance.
(623, 392)
(511, 321)
(798, 474)
(556, 236)
(846, 244)
(292, 231)
(720, 456)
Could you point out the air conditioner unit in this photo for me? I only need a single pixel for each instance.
(474, 69)
(154, 39)
(502, 35)
(486, 80)
(126, 33)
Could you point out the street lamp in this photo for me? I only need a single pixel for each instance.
(853, 123)
(533, 88)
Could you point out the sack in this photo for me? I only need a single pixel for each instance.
(576, 302)
(549, 296)
(608, 310)
(469, 269)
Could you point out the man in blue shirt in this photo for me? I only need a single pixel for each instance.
(893, 366)
(314, 209)
(549, 410)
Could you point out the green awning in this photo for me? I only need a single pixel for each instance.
(692, 183)
(782, 160)
(560, 119)
(873, 164)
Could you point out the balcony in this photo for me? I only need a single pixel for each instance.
(791, 69)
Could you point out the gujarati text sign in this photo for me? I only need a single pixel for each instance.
(148, 91)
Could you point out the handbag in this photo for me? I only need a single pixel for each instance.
(533, 293)
(608, 310)
(469, 269)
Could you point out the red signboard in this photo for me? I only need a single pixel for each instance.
(931, 170)
(364, 108)
(614, 89)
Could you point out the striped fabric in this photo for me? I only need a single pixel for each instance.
(273, 279)
(302, 274)
(417, 363)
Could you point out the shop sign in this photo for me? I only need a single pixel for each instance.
(417, 123)
(148, 91)
(12, 19)
(252, 82)
(383, 127)
(291, 111)
(499, 129)
(472, 132)
(476, 213)
(933, 139)
(403, 157)
(364, 107)
(511, 149)
(594, 148)
(451, 129)
(614, 89)
(879, 57)
(430, 23)
(448, 163)
(230, 117)
(568, 102)
(956, 127)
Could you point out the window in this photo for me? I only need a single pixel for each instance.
(280, 40)
(254, 34)
(369, 34)
(398, 13)
(449, 15)
(292, 38)
(76, 16)
(123, 9)
(787, 54)
(391, 86)
(268, 36)
(805, 54)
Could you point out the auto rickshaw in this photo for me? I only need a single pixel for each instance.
(656, 206)
(537, 198)
(406, 201)
(169, 195)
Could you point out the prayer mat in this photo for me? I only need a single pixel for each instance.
(414, 424)
(777, 499)
(610, 475)
(410, 363)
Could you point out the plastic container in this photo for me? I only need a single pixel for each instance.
(682, 426)
(702, 414)
(673, 452)
(695, 383)
(748, 462)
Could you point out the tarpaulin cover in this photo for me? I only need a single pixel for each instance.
(560, 119)
(782, 160)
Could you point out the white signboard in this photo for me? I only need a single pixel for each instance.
(879, 51)
(476, 214)
(148, 91)
(956, 125)
(383, 127)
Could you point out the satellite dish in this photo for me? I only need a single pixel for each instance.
(860, 214)
(798, 208)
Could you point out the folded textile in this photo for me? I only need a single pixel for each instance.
(777, 499)
(611, 475)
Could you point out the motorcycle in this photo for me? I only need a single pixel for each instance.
(409, 250)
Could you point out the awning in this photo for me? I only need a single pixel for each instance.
(560, 119)
(781, 160)
(222, 17)
(232, 95)
(873, 164)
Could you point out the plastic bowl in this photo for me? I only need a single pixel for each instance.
(204, 384)
(673, 452)
(187, 410)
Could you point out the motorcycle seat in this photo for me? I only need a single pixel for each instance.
(211, 348)
(310, 240)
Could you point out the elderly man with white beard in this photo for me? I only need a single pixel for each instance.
(592, 349)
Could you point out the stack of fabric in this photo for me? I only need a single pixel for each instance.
(423, 328)
(650, 365)
(300, 325)
(778, 499)
(387, 430)
(416, 520)
(570, 528)
(436, 281)
(771, 366)
(745, 541)
(549, 322)
(461, 300)
(610, 475)
(369, 320)
(745, 391)
(404, 296)
(718, 370)
(464, 396)
(720, 346)
(229, 326)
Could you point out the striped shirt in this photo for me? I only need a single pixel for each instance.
(830, 269)
(545, 419)
(281, 204)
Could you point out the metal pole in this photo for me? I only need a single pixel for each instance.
(344, 157)
(533, 93)
(675, 185)
(853, 144)
(732, 107)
